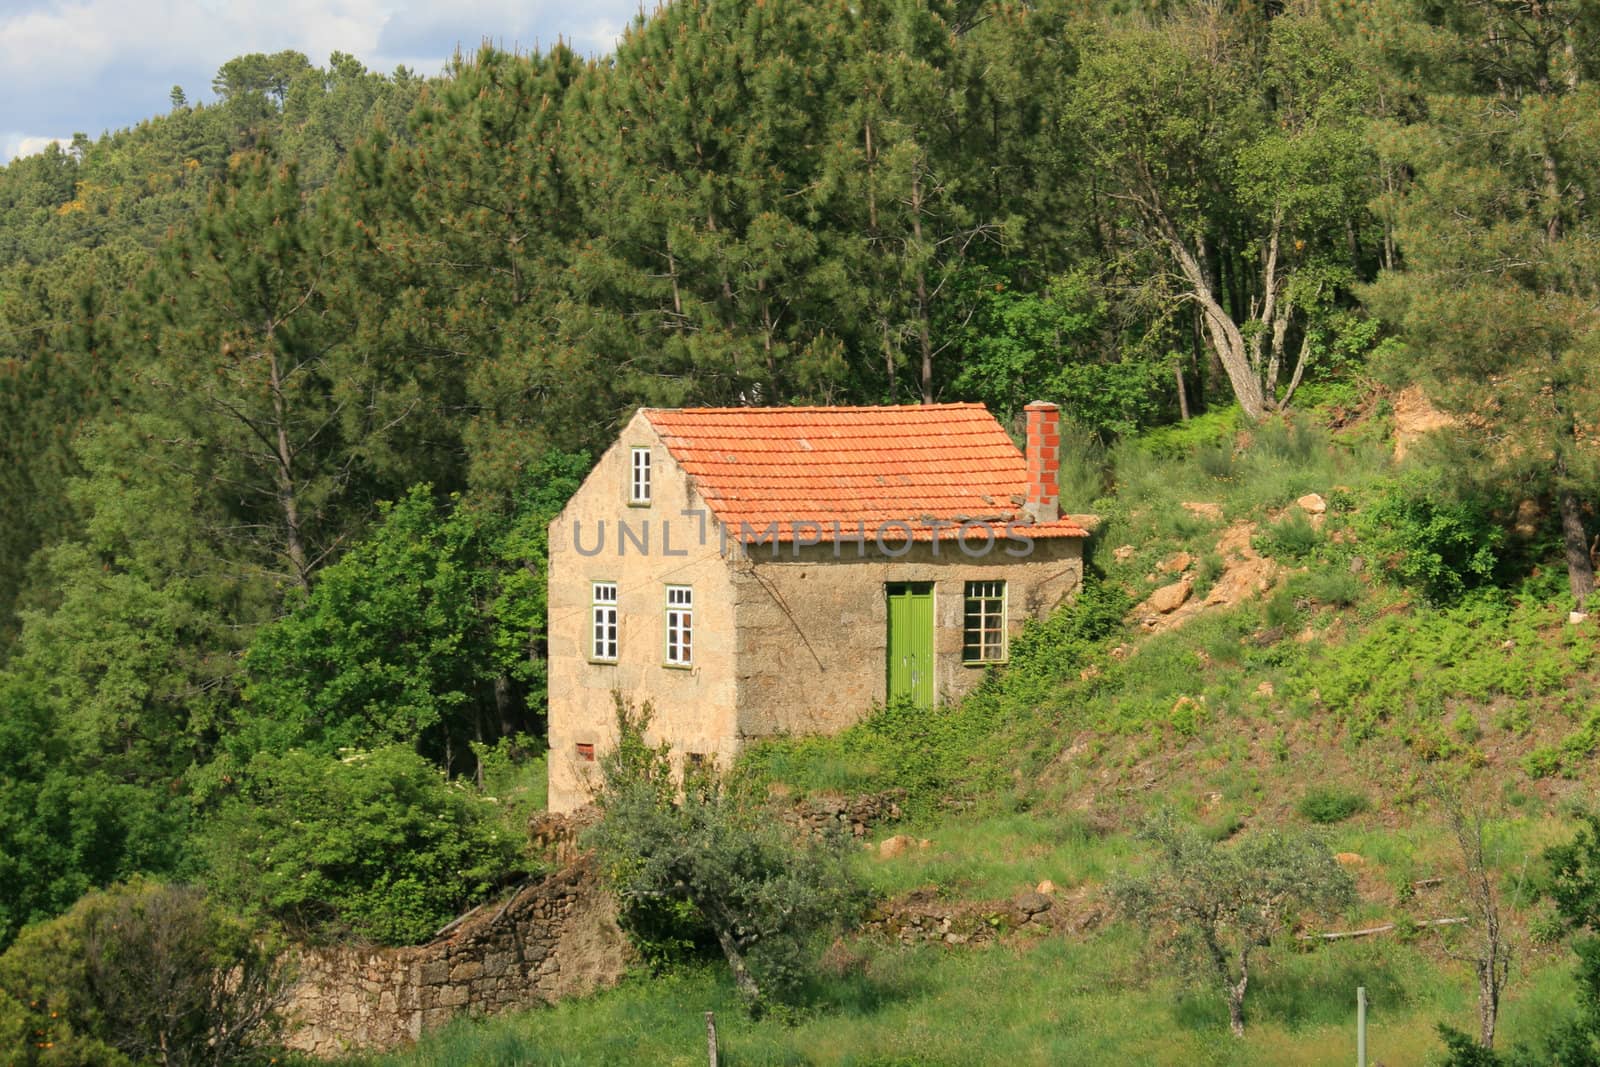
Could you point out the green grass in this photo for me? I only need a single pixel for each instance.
(1051, 1001)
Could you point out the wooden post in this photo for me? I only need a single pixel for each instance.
(711, 1037)
(1361, 1026)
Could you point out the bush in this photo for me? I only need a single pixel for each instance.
(1291, 537)
(379, 843)
(1330, 804)
(1431, 538)
(682, 854)
(141, 973)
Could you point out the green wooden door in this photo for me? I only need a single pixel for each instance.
(911, 641)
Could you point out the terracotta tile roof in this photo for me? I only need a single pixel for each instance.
(943, 463)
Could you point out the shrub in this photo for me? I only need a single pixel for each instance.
(142, 973)
(1291, 537)
(1330, 804)
(681, 853)
(1432, 538)
(1338, 588)
(379, 843)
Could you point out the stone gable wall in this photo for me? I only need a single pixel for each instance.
(553, 939)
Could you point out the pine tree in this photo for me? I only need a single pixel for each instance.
(1498, 298)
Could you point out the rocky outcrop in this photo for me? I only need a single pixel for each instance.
(552, 939)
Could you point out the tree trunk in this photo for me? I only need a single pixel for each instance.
(1580, 569)
(1488, 1003)
(924, 337)
(743, 981)
(294, 540)
(1222, 332)
(1236, 1006)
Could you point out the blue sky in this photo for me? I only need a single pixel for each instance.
(96, 65)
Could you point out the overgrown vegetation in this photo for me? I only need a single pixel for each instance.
(681, 852)
(141, 973)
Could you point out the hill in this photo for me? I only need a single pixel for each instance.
(1318, 676)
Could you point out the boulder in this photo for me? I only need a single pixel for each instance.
(1045, 887)
(1312, 504)
(898, 845)
(1177, 564)
(1122, 553)
(1203, 509)
(1169, 598)
(1349, 859)
(1031, 902)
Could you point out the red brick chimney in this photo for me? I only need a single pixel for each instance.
(1044, 461)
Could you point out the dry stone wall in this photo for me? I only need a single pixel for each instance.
(553, 939)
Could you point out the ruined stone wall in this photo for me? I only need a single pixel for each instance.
(557, 938)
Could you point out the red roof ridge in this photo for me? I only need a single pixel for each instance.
(871, 464)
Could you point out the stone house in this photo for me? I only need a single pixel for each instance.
(759, 571)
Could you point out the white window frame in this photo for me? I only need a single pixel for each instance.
(680, 626)
(986, 599)
(639, 475)
(603, 633)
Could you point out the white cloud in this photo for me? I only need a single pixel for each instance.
(93, 65)
(13, 145)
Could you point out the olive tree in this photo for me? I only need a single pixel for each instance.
(687, 843)
(1216, 904)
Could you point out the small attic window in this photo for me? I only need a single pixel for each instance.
(639, 484)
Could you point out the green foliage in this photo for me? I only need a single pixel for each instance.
(682, 852)
(379, 844)
(1291, 537)
(429, 631)
(1018, 345)
(1431, 537)
(1330, 804)
(142, 973)
(1223, 902)
(1213, 431)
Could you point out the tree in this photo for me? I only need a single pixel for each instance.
(429, 631)
(250, 331)
(379, 843)
(1497, 298)
(1491, 953)
(144, 973)
(685, 838)
(1233, 143)
(1223, 902)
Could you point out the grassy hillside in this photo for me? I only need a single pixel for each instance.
(1340, 667)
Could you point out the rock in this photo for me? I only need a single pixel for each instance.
(1122, 553)
(1177, 564)
(1031, 902)
(1045, 887)
(1357, 564)
(898, 845)
(1575, 617)
(1203, 509)
(1349, 859)
(1413, 417)
(924, 843)
(1169, 598)
(1312, 504)
(1265, 689)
